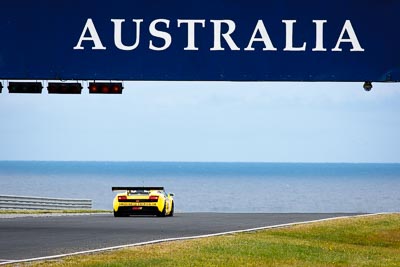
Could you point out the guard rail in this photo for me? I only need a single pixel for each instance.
(43, 203)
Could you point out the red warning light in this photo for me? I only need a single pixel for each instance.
(93, 88)
(116, 88)
(105, 89)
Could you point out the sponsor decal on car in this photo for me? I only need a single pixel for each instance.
(147, 204)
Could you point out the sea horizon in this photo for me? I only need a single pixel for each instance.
(216, 186)
(176, 161)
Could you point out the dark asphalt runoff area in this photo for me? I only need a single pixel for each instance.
(31, 237)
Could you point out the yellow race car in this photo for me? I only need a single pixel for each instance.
(143, 201)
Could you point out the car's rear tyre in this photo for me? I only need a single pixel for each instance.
(117, 214)
(163, 212)
(172, 210)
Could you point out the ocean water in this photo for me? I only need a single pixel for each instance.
(216, 187)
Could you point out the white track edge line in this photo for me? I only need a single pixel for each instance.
(188, 238)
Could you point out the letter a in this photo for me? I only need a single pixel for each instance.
(347, 27)
(94, 37)
(260, 28)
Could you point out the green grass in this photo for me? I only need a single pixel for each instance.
(51, 211)
(362, 241)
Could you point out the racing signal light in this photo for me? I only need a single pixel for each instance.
(64, 88)
(105, 88)
(25, 87)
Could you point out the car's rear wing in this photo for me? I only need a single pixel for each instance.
(125, 188)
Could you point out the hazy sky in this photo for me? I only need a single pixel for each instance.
(206, 121)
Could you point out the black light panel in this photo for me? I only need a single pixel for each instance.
(64, 88)
(105, 88)
(25, 87)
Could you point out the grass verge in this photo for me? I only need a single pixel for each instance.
(362, 241)
(51, 211)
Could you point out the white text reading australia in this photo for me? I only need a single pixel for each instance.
(222, 31)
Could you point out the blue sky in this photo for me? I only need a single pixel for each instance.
(206, 121)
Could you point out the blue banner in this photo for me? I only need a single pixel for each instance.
(211, 40)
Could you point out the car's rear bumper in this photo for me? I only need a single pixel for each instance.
(135, 210)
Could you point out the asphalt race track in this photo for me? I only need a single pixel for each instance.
(31, 237)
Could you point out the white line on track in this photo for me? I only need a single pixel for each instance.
(186, 238)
